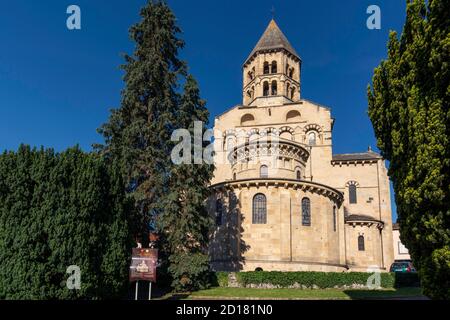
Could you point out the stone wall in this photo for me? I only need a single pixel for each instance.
(283, 242)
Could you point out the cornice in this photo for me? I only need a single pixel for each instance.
(306, 186)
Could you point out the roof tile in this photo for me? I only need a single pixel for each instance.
(273, 38)
(369, 155)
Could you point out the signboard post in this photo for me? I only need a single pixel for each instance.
(136, 290)
(143, 267)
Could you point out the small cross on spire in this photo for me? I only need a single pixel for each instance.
(273, 12)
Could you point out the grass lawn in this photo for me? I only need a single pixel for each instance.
(248, 293)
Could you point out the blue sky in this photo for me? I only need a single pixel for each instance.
(57, 85)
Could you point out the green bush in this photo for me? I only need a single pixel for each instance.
(323, 279)
(406, 280)
(58, 210)
(222, 278)
(189, 272)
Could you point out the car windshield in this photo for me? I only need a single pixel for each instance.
(400, 265)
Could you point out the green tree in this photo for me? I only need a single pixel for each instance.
(58, 210)
(169, 198)
(186, 222)
(138, 133)
(409, 109)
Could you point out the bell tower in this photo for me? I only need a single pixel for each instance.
(271, 73)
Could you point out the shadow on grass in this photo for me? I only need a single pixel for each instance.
(412, 293)
(302, 294)
(178, 296)
(158, 292)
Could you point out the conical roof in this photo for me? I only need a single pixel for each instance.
(273, 38)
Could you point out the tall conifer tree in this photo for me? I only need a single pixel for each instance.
(138, 133)
(409, 108)
(169, 197)
(186, 222)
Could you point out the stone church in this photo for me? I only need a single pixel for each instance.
(281, 200)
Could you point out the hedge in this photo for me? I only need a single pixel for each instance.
(58, 210)
(318, 279)
(220, 279)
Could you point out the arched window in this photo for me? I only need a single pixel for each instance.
(293, 116)
(287, 89)
(291, 73)
(264, 171)
(334, 219)
(274, 67)
(361, 246)
(247, 119)
(253, 135)
(352, 193)
(266, 68)
(312, 138)
(265, 89)
(219, 212)
(259, 215)
(274, 88)
(234, 175)
(286, 135)
(292, 93)
(299, 174)
(287, 68)
(306, 212)
(230, 143)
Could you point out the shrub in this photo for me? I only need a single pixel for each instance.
(322, 279)
(222, 278)
(190, 272)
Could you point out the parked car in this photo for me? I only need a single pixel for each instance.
(402, 266)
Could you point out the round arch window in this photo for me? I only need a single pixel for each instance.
(312, 138)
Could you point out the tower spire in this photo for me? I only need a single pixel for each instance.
(271, 72)
(273, 38)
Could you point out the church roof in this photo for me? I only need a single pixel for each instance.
(359, 217)
(273, 38)
(369, 155)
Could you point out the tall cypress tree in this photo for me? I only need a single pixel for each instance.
(409, 109)
(186, 222)
(138, 133)
(56, 211)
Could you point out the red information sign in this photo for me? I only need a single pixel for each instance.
(143, 264)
